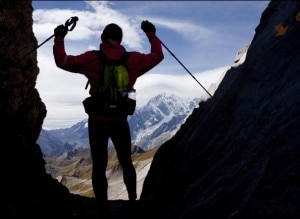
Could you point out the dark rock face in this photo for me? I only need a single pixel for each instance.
(237, 156)
(26, 188)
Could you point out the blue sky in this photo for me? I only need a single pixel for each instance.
(204, 35)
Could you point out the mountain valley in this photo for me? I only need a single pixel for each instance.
(67, 152)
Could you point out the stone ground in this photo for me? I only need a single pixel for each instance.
(118, 209)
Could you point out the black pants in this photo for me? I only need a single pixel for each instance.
(99, 134)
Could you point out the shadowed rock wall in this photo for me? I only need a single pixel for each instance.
(26, 188)
(237, 156)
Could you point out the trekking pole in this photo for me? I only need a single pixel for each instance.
(185, 67)
(70, 22)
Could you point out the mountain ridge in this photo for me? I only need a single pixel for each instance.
(151, 125)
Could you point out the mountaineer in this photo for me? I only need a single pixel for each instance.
(105, 124)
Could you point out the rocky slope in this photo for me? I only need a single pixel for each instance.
(237, 155)
(74, 170)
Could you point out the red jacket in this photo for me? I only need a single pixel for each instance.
(89, 64)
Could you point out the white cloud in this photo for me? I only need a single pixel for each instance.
(90, 24)
(190, 31)
(193, 34)
(150, 85)
(64, 92)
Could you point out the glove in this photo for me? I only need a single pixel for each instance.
(148, 27)
(60, 31)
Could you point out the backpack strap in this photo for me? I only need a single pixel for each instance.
(124, 57)
(100, 54)
(122, 61)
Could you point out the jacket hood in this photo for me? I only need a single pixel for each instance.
(112, 50)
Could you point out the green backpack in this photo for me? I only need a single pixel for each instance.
(112, 95)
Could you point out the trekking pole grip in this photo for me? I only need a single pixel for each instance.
(71, 22)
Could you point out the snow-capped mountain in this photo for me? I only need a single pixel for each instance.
(159, 119)
(151, 125)
(58, 141)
